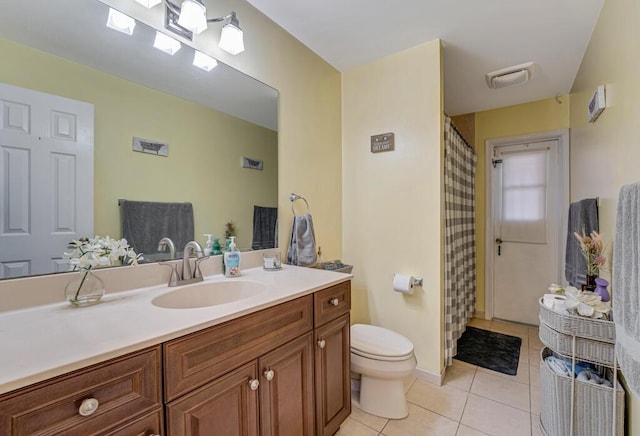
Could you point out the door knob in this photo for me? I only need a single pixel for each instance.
(254, 384)
(269, 374)
(88, 406)
(322, 343)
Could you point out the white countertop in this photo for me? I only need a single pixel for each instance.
(46, 341)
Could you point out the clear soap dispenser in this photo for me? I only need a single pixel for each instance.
(208, 250)
(232, 260)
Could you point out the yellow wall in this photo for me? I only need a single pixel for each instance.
(534, 117)
(309, 118)
(205, 146)
(392, 213)
(605, 154)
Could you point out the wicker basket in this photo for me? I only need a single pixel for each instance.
(598, 352)
(574, 325)
(593, 405)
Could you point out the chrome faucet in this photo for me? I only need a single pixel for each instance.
(191, 246)
(187, 276)
(167, 243)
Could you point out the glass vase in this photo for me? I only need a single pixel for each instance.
(591, 283)
(84, 289)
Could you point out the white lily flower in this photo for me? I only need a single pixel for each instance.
(99, 252)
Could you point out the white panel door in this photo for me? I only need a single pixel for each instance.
(525, 196)
(46, 179)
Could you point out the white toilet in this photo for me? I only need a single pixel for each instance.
(383, 358)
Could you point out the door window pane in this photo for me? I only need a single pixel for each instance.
(524, 196)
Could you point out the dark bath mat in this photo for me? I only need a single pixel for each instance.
(490, 350)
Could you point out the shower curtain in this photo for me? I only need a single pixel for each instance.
(460, 237)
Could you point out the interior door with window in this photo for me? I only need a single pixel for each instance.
(46, 179)
(526, 193)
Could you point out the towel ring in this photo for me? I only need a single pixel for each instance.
(293, 197)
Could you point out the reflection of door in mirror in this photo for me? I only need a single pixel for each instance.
(46, 182)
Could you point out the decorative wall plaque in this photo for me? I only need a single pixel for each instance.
(383, 142)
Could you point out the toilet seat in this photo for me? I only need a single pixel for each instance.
(381, 358)
(379, 343)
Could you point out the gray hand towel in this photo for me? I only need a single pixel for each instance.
(265, 224)
(626, 285)
(302, 248)
(583, 217)
(144, 223)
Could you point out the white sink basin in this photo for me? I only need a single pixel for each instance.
(208, 294)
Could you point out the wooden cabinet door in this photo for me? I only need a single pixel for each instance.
(286, 389)
(332, 375)
(227, 406)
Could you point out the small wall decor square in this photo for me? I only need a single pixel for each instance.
(150, 146)
(254, 164)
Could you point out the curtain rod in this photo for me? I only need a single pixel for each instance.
(455, 129)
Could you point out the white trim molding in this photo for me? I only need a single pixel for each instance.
(429, 377)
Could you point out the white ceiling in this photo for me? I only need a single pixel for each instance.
(479, 36)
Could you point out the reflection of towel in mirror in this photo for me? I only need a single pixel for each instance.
(583, 217)
(302, 248)
(626, 282)
(144, 223)
(265, 224)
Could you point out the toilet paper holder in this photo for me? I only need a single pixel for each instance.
(416, 281)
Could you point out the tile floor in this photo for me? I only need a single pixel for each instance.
(472, 401)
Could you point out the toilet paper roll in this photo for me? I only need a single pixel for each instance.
(554, 301)
(403, 284)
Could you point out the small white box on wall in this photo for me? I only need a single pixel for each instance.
(597, 104)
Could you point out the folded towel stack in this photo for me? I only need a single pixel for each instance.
(584, 371)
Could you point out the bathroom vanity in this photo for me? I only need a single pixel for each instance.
(275, 363)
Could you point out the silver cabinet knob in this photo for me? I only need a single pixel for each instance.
(88, 406)
(322, 343)
(334, 301)
(254, 384)
(269, 374)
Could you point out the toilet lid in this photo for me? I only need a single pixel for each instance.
(377, 341)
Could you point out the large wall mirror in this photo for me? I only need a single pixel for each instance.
(211, 121)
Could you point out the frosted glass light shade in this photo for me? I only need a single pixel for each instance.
(203, 61)
(231, 39)
(193, 16)
(149, 3)
(120, 22)
(166, 43)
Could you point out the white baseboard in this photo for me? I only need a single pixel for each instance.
(429, 377)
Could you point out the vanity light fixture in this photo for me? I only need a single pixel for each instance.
(203, 61)
(231, 37)
(166, 43)
(149, 3)
(191, 18)
(120, 22)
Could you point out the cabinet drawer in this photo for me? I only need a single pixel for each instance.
(149, 425)
(332, 302)
(125, 387)
(196, 359)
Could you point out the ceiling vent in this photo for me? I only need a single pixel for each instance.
(510, 76)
